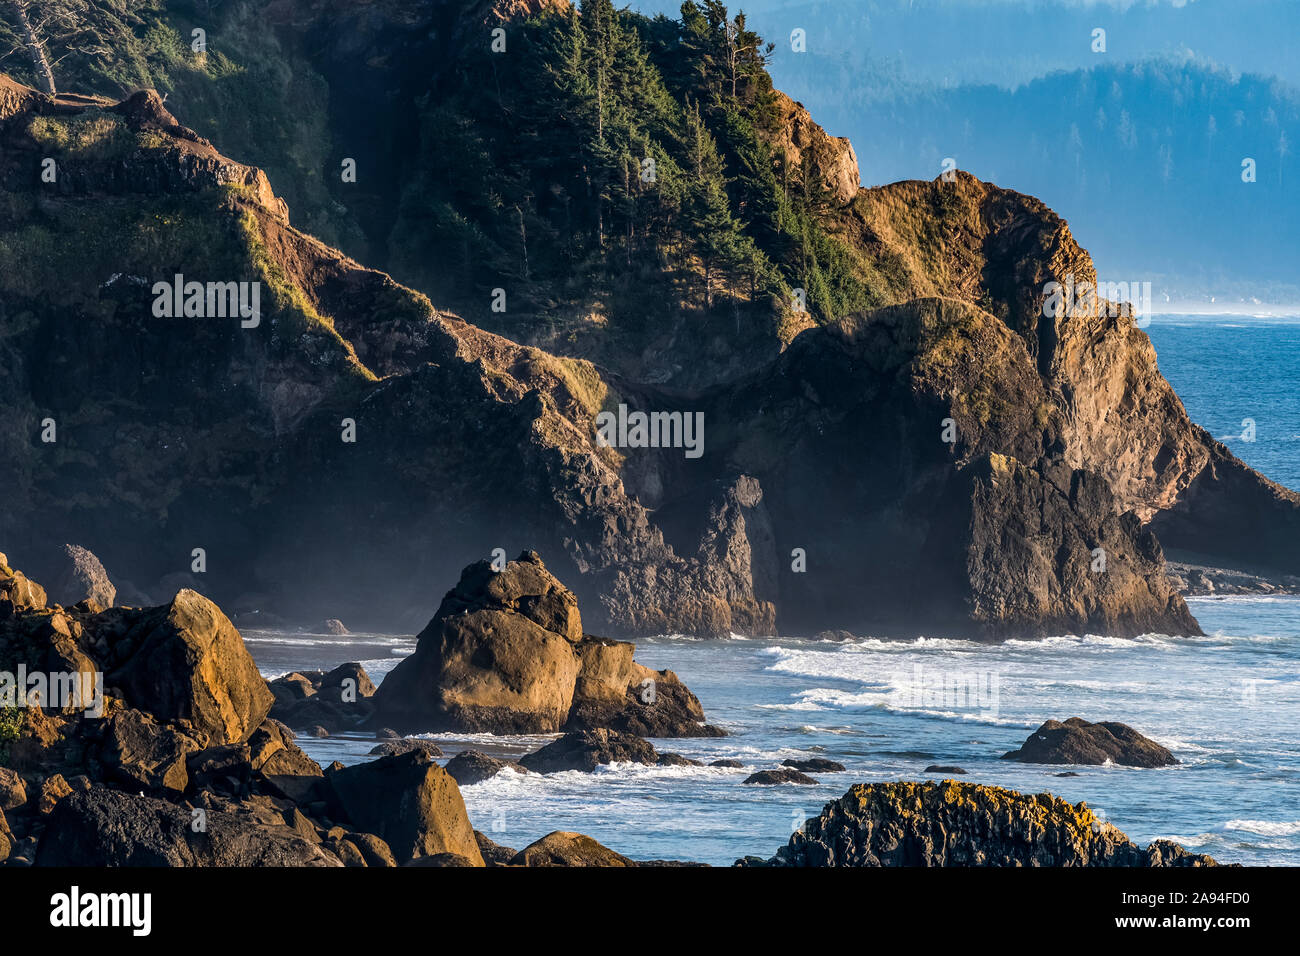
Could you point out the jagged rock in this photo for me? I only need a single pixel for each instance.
(676, 760)
(506, 653)
(13, 790)
(272, 751)
(494, 854)
(336, 701)
(82, 578)
(405, 745)
(1078, 742)
(185, 660)
(409, 802)
(471, 766)
(585, 750)
(334, 626)
(568, 849)
(814, 765)
(53, 790)
(226, 769)
(104, 827)
(771, 777)
(963, 824)
(141, 754)
(17, 590)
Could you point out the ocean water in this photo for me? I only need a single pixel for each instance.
(1227, 705)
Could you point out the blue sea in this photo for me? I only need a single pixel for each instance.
(1227, 705)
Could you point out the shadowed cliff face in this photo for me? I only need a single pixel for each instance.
(929, 466)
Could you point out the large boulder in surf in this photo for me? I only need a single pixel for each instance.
(964, 824)
(1078, 742)
(587, 749)
(506, 653)
(409, 802)
(185, 660)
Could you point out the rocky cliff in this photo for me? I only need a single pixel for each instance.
(908, 468)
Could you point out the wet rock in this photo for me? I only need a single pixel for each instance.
(814, 765)
(390, 748)
(1078, 742)
(963, 824)
(585, 750)
(505, 653)
(732, 764)
(772, 777)
(471, 766)
(676, 760)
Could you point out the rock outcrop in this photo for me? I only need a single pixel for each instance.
(586, 750)
(83, 578)
(1078, 742)
(964, 824)
(562, 848)
(506, 653)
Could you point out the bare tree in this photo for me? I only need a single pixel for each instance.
(49, 31)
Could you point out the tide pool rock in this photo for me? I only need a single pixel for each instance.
(964, 824)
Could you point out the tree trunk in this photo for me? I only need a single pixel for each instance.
(40, 63)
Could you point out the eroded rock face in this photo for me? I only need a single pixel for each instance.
(1078, 742)
(964, 824)
(506, 653)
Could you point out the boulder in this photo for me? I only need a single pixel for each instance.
(505, 653)
(82, 577)
(409, 802)
(141, 754)
(1078, 742)
(729, 763)
(334, 626)
(814, 765)
(272, 751)
(494, 854)
(13, 791)
(489, 660)
(346, 683)
(103, 827)
(185, 660)
(226, 769)
(54, 789)
(676, 760)
(963, 824)
(16, 590)
(773, 777)
(585, 750)
(943, 768)
(568, 849)
(390, 748)
(470, 766)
